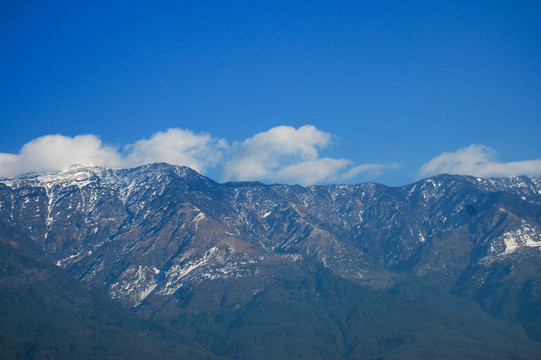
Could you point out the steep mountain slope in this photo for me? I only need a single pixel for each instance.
(176, 246)
(46, 314)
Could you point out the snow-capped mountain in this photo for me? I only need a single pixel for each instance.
(154, 235)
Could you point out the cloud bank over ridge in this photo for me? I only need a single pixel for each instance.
(284, 154)
(281, 154)
(54, 152)
(477, 160)
(178, 147)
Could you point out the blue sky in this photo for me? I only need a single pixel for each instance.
(295, 92)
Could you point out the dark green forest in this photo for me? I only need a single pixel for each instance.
(305, 312)
(319, 315)
(46, 314)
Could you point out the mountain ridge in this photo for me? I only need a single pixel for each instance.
(157, 235)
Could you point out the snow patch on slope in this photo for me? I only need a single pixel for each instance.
(175, 275)
(524, 236)
(135, 284)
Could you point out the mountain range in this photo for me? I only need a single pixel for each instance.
(447, 267)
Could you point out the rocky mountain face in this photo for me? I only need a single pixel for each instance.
(172, 244)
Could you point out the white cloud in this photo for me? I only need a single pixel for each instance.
(371, 169)
(289, 155)
(56, 152)
(177, 147)
(281, 154)
(311, 172)
(478, 160)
